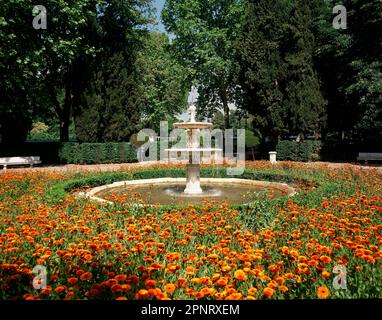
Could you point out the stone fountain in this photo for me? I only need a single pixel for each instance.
(170, 191)
(193, 151)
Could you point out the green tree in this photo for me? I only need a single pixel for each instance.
(53, 65)
(109, 108)
(276, 70)
(350, 63)
(303, 99)
(165, 85)
(205, 31)
(20, 60)
(260, 65)
(252, 140)
(109, 93)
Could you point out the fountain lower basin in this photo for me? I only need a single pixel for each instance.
(170, 191)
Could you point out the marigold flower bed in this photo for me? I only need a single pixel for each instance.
(275, 249)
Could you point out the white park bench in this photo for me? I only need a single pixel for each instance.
(17, 161)
(369, 157)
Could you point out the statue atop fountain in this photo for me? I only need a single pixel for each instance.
(193, 150)
(192, 113)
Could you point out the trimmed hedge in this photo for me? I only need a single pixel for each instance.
(93, 153)
(298, 151)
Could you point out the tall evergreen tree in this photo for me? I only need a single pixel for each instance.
(303, 99)
(260, 66)
(109, 108)
(276, 71)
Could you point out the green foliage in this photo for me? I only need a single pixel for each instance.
(205, 32)
(260, 65)
(298, 151)
(276, 71)
(93, 153)
(164, 81)
(350, 62)
(251, 139)
(109, 109)
(77, 32)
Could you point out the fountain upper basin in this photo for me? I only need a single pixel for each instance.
(193, 125)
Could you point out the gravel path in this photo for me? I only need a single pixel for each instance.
(125, 166)
(82, 168)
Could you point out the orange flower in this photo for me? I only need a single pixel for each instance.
(222, 282)
(226, 268)
(156, 265)
(48, 290)
(134, 279)
(207, 291)
(88, 257)
(169, 288)
(312, 263)
(199, 295)
(235, 296)
(125, 287)
(116, 288)
(121, 298)
(150, 283)
(143, 294)
(161, 296)
(182, 282)
(280, 280)
(240, 275)
(60, 289)
(172, 256)
(268, 292)
(283, 289)
(120, 277)
(325, 274)
(152, 292)
(95, 292)
(86, 276)
(325, 259)
(323, 292)
(252, 291)
(73, 281)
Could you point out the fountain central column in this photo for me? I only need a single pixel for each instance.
(193, 150)
(193, 166)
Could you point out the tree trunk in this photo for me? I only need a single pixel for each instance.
(65, 115)
(64, 127)
(225, 108)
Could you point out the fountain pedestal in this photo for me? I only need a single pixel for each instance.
(193, 179)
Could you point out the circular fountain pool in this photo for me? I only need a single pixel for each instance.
(169, 191)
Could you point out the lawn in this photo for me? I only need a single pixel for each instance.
(282, 248)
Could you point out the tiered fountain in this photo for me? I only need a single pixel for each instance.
(169, 191)
(193, 151)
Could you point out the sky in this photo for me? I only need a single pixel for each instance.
(159, 6)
